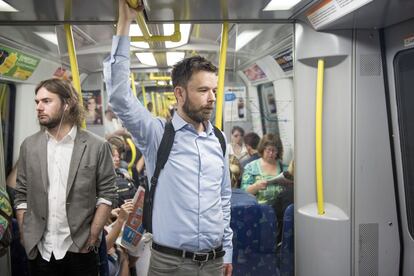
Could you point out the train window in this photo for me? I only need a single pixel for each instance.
(7, 104)
(404, 79)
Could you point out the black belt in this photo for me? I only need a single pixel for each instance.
(195, 256)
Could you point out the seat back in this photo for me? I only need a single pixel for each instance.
(254, 240)
(287, 251)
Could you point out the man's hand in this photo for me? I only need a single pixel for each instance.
(92, 242)
(227, 269)
(20, 216)
(126, 15)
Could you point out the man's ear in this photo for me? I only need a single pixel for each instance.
(179, 94)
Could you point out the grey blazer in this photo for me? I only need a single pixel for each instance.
(91, 176)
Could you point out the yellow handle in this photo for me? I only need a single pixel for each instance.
(318, 145)
(221, 74)
(74, 64)
(134, 155)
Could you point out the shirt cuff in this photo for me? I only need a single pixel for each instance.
(21, 206)
(227, 259)
(102, 201)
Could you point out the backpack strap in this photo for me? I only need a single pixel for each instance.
(163, 153)
(162, 157)
(221, 139)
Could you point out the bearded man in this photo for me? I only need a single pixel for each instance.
(191, 209)
(65, 186)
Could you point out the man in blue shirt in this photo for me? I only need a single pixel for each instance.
(191, 210)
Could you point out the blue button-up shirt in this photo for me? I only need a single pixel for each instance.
(192, 202)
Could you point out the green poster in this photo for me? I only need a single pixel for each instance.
(16, 64)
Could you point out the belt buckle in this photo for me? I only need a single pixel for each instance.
(200, 255)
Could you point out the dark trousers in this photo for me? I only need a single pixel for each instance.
(79, 264)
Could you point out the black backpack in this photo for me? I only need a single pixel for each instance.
(6, 213)
(125, 188)
(162, 157)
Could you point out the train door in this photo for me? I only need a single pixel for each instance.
(7, 99)
(399, 51)
(7, 104)
(268, 109)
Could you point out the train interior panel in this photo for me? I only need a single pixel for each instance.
(332, 79)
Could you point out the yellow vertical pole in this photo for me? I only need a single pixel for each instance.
(73, 64)
(144, 95)
(318, 136)
(154, 106)
(134, 89)
(221, 74)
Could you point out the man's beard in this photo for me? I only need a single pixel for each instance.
(52, 122)
(196, 114)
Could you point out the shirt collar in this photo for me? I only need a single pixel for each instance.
(71, 134)
(178, 123)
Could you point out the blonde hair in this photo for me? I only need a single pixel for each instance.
(235, 171)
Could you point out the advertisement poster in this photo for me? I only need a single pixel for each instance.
(234, 104)
(254, 73)
(92, 101)
(285, 60)
(16, 64)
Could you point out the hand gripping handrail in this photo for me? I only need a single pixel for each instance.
(318, 137)
(146, 36)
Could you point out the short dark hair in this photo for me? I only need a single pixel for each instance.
(68, 95)
(239, 129)
(252, 139)
(271, 140)
(183, 70)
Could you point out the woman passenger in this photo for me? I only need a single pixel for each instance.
(238, 196)
(257, 172)
(237, 147)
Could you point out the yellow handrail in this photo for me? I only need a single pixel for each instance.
(154, 111)
(144, 95)
(133, 155)
(152, 76)
(221, 74)
(74, 64)
(147, 37)
(318, 136)
(134, 89)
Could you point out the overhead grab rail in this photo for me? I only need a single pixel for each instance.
(318, 137)
(146, 36)
(159, 78)
(221, 74)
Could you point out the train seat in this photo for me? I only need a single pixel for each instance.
(287, 254)
(254, 240)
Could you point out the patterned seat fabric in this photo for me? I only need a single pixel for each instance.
(287, 253)
(254, 240)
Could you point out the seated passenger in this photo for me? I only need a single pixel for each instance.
(258, 172)
(238, 196)
(118, 259)
(284, 199)
(237, 147)
(125, 186)
(251, 140)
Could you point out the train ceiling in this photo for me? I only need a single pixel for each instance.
(94, 21)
